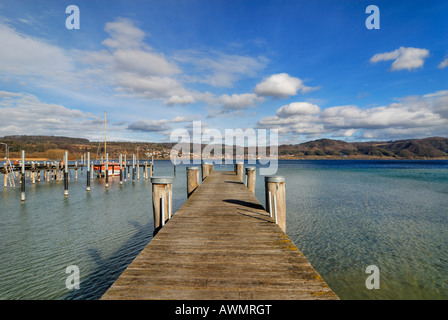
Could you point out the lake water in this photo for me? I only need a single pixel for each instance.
(343, 215)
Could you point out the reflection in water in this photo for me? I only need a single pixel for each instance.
(343, 215)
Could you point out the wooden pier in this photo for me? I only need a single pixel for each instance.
(221, 244)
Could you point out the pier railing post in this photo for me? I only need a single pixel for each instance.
(276, 199)
(239, 170)
(162, 200)
(251, 175)
(192, 180)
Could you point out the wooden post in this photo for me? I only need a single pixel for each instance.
(205, 170)
(106, 168)
(124, 169)
(250, 178)
(121, 169)
(145, 174)
(276, 199)
(5, 177)
(162, 188)
(22, 177)
(76, 170)
(66, 175)
(33, 173)
(240, 171)
(192, 180)
(88, 171)
(133, 167)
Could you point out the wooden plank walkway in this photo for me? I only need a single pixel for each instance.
(221, 244)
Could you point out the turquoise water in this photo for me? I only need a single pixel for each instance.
(343, 215)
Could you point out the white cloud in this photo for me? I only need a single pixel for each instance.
(238, 101)
(23, 55)
(443, 64)
(123, 34)
(24, 113)
(410, 117)
(297, 108)
(404, 58)
(184, 100)
(219, 69)
(281, 85)
(133, 68)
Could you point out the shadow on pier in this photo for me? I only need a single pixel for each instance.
(108, 270)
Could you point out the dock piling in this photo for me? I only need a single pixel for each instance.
(276, 200)
(22, 177)
(121, 169)
(88, 171)
(205, 170)
(239, 170)
(66, 174)
(106, 168)
(250, 178)
(162, 188)
(192, 180)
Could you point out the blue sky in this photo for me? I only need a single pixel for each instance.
(310, 69)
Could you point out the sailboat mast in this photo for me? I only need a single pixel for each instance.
(105, 143)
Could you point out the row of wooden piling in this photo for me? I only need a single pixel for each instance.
(162, 196)
(63, 169)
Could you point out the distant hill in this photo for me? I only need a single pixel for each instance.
(427, 148)
(53, 147)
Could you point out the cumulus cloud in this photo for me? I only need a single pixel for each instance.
(443, 64)
(183, 100)
(219, 69)
(409, 117)
(24, 113)
(281, 85)
(297, 108)
(134, 68)
(404, 58)
(152, 126)
(23, 55)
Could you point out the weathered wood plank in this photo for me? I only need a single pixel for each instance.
(221, 244)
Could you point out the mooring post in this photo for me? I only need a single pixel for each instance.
(121, 169)
(88, 171)
(66, 174)
(205, 170)
(5, 176)
(192, 180)
(33, 173)
(124, 168)
(250, 178)
(145, 173)
(240, 171)
(107, 170)
(162, 198)
(133, 167)
(276, 199)
(76, 170)
(22, 193)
